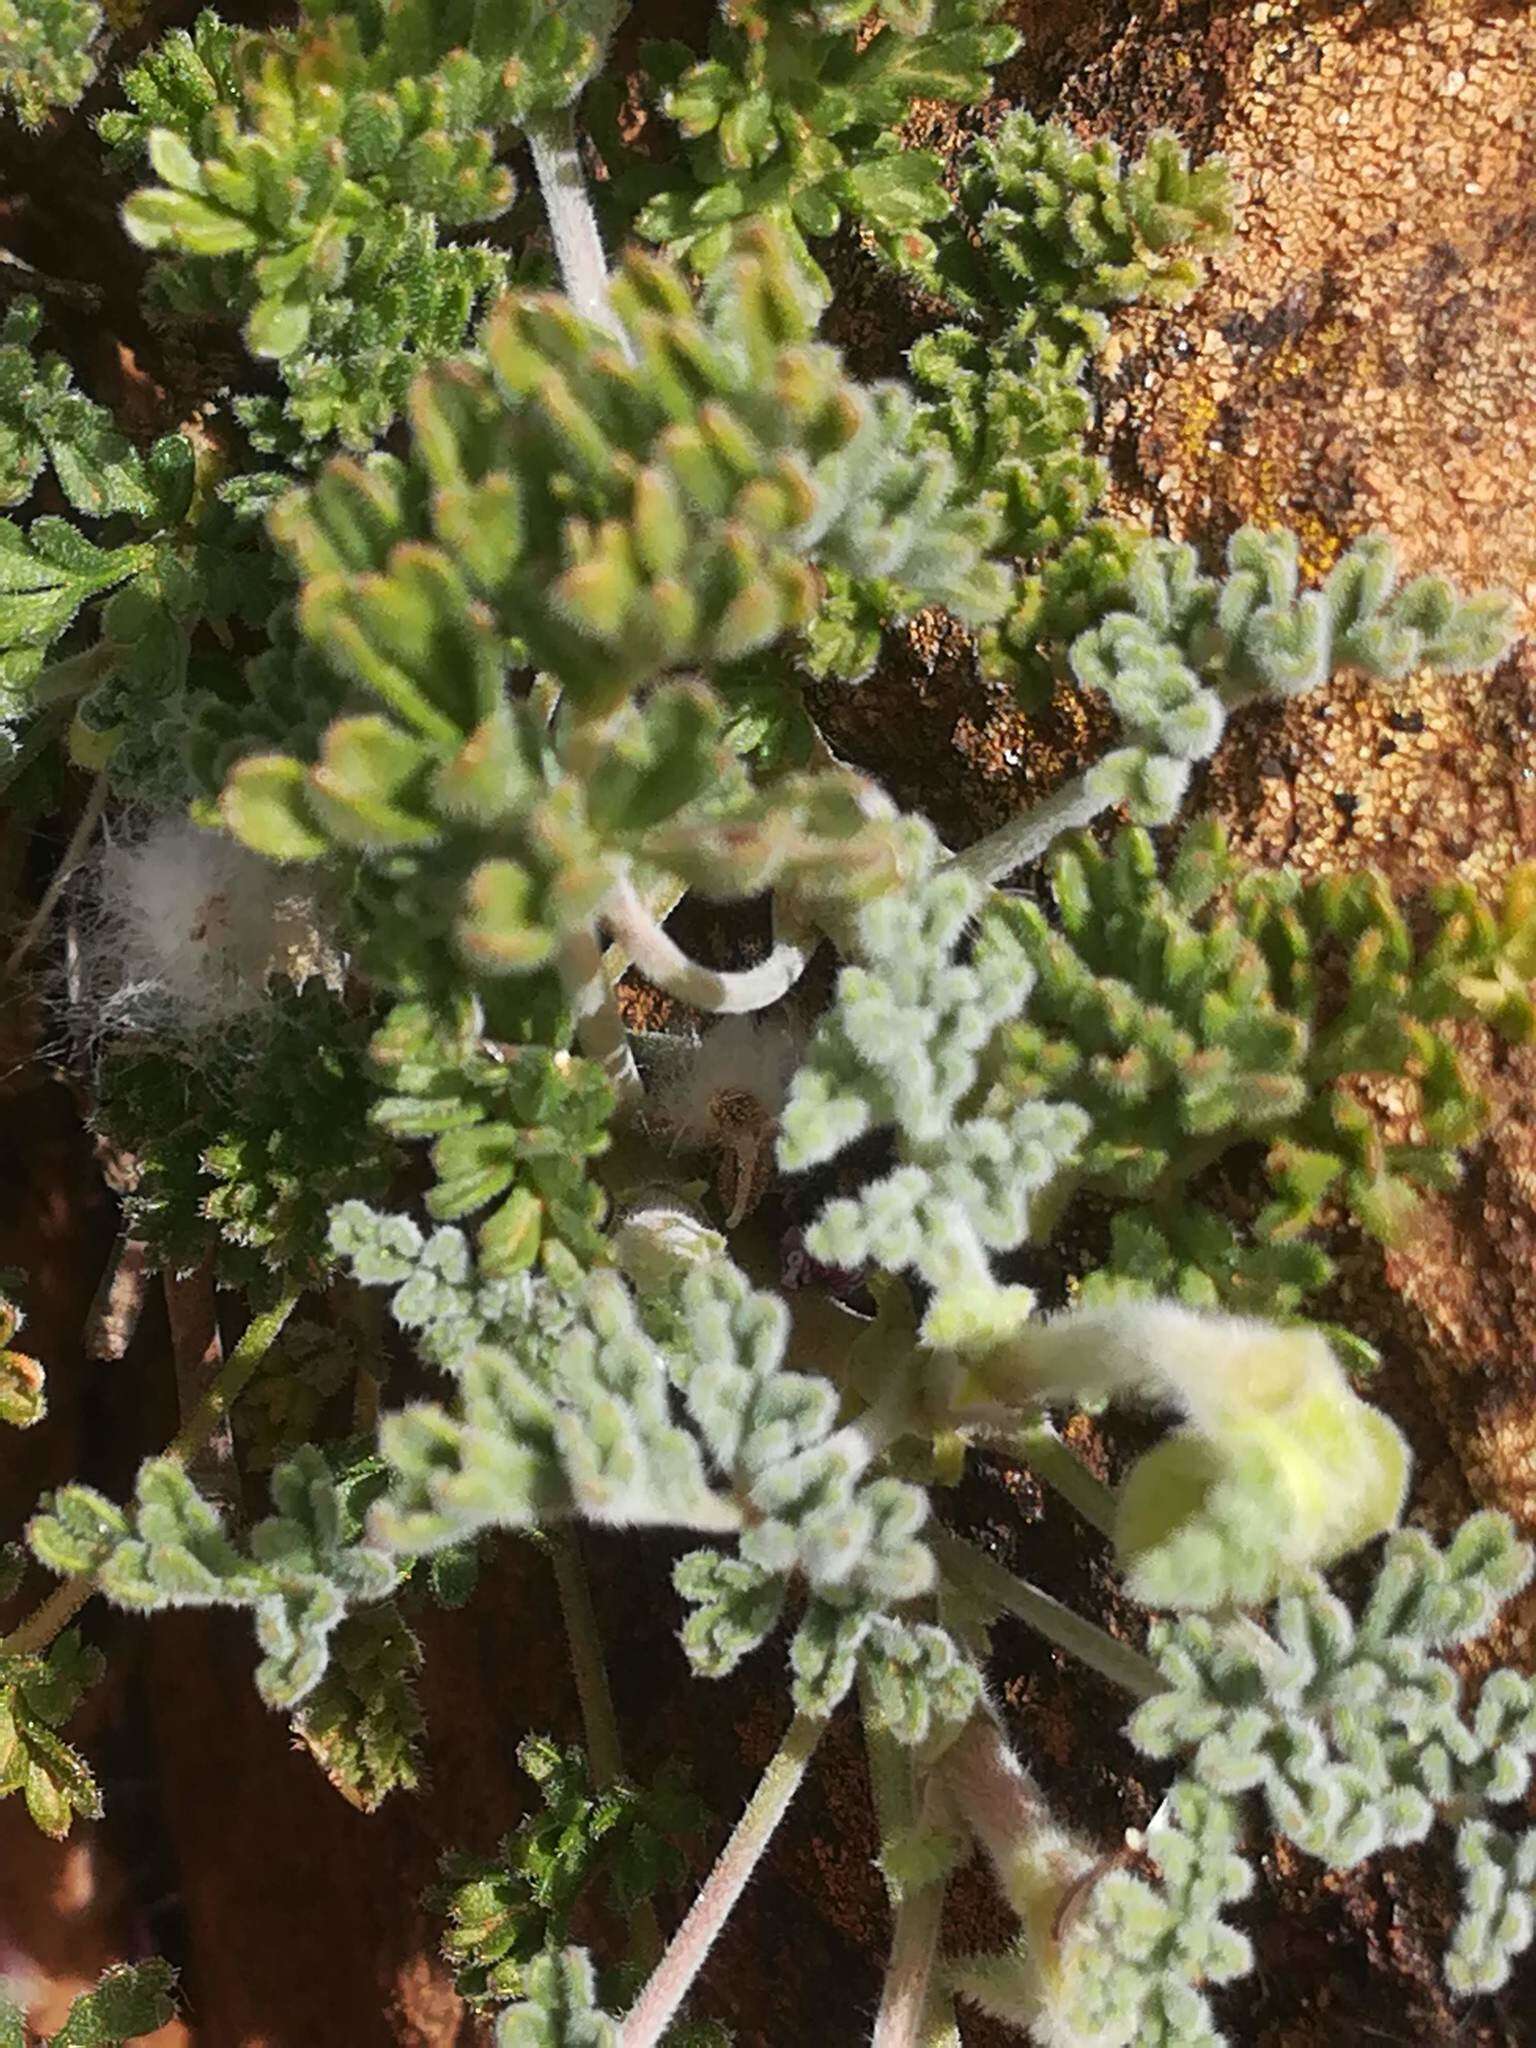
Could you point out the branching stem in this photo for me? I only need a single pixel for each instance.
(662, 961)
(673, 1977)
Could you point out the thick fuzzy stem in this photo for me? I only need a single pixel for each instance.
(673, 1978)
(1069, 1631)
(661, 960)
(906, 1998)
(599, 1027)
(1025, 838)
(572, 223)
(65, 1601)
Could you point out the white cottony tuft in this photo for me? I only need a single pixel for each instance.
(188, 929)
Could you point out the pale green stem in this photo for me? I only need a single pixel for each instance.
(197, 1352)
(1025, 838)
(673, 1978)
(662, 961)
(74, 853)
(999, 1800)
(572, 223)
(1065, 1473)
(599, 1721)
(66, 1600)
(908, 1997)
(663, 899)
(906, 2015)
(1069, 1631)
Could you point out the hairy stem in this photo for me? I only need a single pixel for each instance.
(1069, 1631)
(1025, 838)
(1065, 1473)
(572, 223)
(599, 1027)
(74, 853)
(260, 1334)
(599, 1721)
(662, 961)
(908, 1997)
(65, 1601)
(673, 1977)
(906, 2017)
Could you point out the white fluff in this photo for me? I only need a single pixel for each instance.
(188, 928)
(750, 1056)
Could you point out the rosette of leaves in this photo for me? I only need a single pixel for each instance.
(1195, 1010)
(905, 1045)
(39, 1693)
(512, 1134)
(793, 116)
(307, 174)
(48, 55)
(1354, 1730)
(127, 2002)
(297, 1573)
(255, 1140)
(504, 1910)
(604, 520)
(1053, 230)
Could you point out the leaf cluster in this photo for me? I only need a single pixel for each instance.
(129, 2001)
(38, 1694)
(1354, 1731)
(297, 1572)
(505, 1910)
(905, 1044)
(793, 117)
(251, 1141)
(48, 55)
(1194, 1009)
